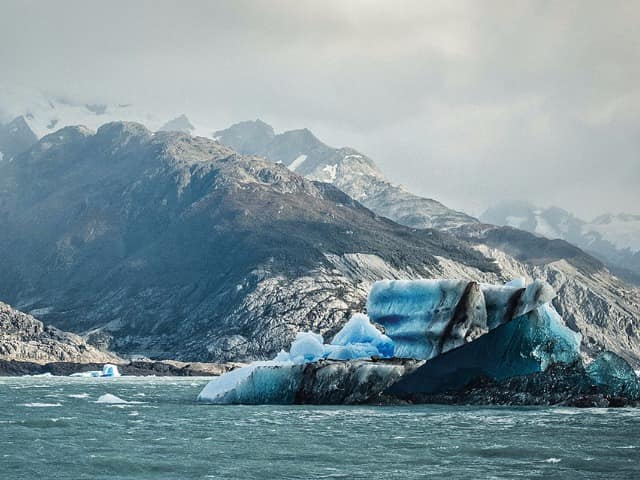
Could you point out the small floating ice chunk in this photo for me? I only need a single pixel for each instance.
(113, 400)
(109, 398)
(109, 370)
(89, 374)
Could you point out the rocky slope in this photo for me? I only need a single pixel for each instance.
(349, 170)
(614, 239)
(25, 339)
(177, 247)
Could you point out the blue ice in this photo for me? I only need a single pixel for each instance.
(275, 381)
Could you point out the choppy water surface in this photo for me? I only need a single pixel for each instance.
(52, 428)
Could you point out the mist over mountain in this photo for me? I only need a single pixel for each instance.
(613, 238)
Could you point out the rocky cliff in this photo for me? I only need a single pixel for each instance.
(26, 339)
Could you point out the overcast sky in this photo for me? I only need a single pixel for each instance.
(466, 102)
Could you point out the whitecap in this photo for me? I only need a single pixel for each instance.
(553, 460)
(78, 395)
(41, 405)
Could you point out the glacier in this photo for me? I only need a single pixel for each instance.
(440, 335)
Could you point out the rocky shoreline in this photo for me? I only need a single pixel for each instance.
(158, 368)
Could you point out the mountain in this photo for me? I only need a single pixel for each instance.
(175, 246)
(614, 239)
(347, 169)
(591, 299)
(46, 112)
(172, 246)
(15, 138)
(178, 124)
(25, 339)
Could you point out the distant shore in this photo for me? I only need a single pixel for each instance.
(159, 368)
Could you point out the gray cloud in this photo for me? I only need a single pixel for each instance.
(466, 102)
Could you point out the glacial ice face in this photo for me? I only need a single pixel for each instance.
(421, 316)
(269, 382)
(506, 302)
(425, 318)
(527, 344)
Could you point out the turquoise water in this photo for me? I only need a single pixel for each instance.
(51, 428)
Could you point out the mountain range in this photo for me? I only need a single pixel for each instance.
(178, 246)
(612, 238)
(349, 170)
(173, 246)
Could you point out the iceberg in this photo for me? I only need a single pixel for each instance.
(441, 336)
(614, 374)
(111, 399)
(527, 344)
(359, 339)
(278, 380)
(426, 318)
(108, 370)
(423, 318)
(268, 382)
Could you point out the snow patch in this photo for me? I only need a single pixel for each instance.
(331, 171)
(297, 162)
